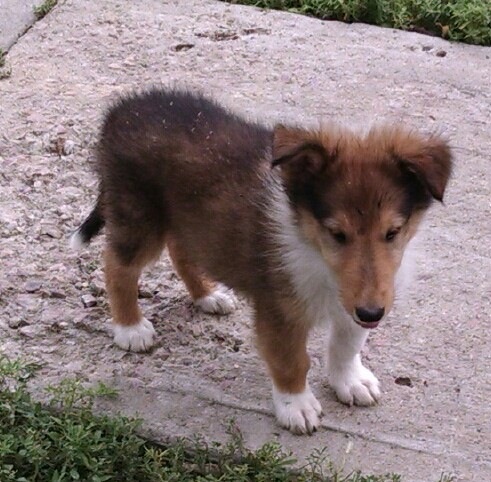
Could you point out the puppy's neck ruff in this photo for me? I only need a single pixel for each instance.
(312, 280)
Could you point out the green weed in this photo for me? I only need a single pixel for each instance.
(63, 440)
(463, 20)
(43, 9)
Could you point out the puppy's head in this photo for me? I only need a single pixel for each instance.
(359, 200)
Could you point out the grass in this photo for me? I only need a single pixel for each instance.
(63, 440)
(463, 20)
(43, 9)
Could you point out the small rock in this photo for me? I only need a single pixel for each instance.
(57, 294)
(144, 294)
(87, 323)
(17, 323)
(441, 53)
(30, 331)
(196, 330)
(89, 301)
(258, 30)
(32, 286)
(68, 147)
(129, 61)
(181, 47)
(427, 48)
(51, 232)
(5, 72)
(56, 145)
(219, 36)
(96, 289)
(404, 381)
(53, 313)
(236, 345)
(58, 327)
(27, 301)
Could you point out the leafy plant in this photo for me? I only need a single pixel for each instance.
(43, 9)
(63, 440)
(464, 20)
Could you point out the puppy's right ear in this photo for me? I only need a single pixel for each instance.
(429, 159)
(298, 154)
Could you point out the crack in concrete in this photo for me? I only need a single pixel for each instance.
(419, 446)
(17, 21)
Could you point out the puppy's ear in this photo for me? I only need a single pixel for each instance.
(299, 156)
(429, 160)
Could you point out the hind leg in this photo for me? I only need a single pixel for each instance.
(206, 294)
(123, 266)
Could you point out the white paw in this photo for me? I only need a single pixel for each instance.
(355, 384)
(220, 302)
(298, 412)
(136, 337)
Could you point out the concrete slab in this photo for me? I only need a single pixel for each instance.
(274, 66)
(16, 16)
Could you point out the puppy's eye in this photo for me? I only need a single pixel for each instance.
(391, 234)
(339, 237)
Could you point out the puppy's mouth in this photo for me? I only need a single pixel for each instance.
(367, 324)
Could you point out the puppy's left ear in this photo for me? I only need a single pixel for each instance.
(299, 155)
(430, 160)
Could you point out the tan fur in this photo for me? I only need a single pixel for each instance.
(122, 289)
(196, 282)
(287, 360)
(122, 281)
(241, 204)
(366, 268)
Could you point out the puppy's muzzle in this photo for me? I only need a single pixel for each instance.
(368, 316)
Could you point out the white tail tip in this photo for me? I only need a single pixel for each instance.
(76, 241)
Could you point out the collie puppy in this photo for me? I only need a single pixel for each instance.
(310, 225)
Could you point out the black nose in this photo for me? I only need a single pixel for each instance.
(369, 314)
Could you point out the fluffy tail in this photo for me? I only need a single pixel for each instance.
(88, 229)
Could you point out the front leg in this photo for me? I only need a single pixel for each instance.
(353, 383)
(283, 344)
